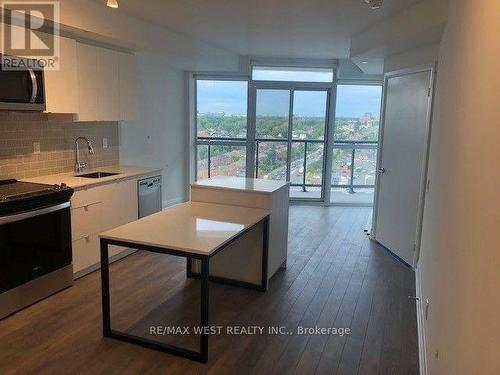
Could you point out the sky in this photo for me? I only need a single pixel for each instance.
(230, 97)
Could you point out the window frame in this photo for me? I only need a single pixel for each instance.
(250, 140)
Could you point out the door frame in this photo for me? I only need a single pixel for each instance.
(424, 183)
(330, 89)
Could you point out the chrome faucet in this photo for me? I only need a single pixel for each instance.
(79, 167)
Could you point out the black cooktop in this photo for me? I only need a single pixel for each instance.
(17, 196)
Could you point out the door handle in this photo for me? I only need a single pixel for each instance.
(381, 170)
(34, 86)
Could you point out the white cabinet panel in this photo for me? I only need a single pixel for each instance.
(86, 253)
(87, 82)
(129, 87)
(96, 210)
(86, 220)
(108, 85)
(61, 86)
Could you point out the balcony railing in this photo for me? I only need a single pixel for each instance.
(352, 146)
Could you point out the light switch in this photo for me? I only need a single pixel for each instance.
(36, 147)
(105, 143)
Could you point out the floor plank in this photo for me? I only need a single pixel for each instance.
(335, 277)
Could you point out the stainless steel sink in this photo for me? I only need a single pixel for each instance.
(96, 175)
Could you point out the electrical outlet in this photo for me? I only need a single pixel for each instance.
(36, 147)
(105, 142)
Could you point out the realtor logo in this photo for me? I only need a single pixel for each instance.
(30, 34)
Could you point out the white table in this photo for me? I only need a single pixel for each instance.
(192, 230)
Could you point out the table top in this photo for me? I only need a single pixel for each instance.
(254, 185)
(192, 227)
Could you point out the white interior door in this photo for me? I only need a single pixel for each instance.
(402, 161)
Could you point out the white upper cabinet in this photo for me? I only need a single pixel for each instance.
(87, 82)
(107, 84)
(61, 86)
(129, 88)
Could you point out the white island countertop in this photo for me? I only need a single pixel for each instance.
(75, 182)
(254, 185)
(192, 227)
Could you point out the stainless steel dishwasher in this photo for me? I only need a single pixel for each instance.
(149, 196)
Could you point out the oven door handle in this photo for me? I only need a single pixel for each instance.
(30, 214)
(34, 86)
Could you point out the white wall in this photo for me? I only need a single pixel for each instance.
(460, 255)
(159, 138)
(424, 55)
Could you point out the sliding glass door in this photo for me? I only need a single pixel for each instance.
(290, 125)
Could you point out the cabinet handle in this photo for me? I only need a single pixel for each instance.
(87, 237)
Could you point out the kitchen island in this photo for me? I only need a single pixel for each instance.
(242, 261)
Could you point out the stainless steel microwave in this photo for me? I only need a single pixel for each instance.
(22, 90)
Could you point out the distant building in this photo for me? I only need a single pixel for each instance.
(367, 118)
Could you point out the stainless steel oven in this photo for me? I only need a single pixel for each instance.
(22, 90)
(35, 250)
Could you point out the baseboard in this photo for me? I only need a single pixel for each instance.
(173, 201)
(420, 324)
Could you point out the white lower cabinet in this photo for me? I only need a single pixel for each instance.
(95, 210)
(85, 253)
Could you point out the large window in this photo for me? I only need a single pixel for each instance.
(289, 74)
(221, 127)
(355, 143)
(286, 134)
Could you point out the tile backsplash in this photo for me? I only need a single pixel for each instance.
(56, 135)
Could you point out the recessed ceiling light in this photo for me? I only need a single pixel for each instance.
(112, 4)
(374, 4)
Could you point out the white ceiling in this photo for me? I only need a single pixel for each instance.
(271, 28)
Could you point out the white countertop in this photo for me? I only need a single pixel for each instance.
(192, 227)
(242, 184)
(76, 182)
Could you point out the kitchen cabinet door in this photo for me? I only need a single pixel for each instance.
(86, 252)
(108, 85)
(61, 86)
(129, 87)
(87, 82)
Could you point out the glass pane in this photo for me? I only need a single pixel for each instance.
(297, 163)
(313, 170)
(271, 73)
(365, 165)
(202, 161)
(221, 108)
(309, 114)
(227, 161)
(341, 166)
(357, 112)
(272, 160)
(314, 166)
(272, 108)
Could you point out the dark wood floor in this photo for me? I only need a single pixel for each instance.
(336, 277)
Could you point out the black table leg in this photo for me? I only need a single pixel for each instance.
(205, 270)
(106, 317)
(265, 253)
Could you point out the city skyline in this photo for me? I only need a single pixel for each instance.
(230, 98)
